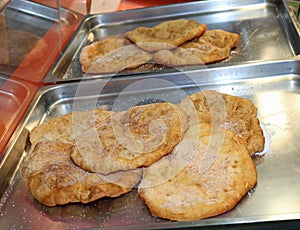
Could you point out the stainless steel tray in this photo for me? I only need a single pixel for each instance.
(274, 87)
(266, 28)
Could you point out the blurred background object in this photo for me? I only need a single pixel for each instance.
(134, 4)
(295, 6)
(3, 3)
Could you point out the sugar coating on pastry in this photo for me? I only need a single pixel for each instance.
(53, 179)
(230, 112)
(206, 175)
(67, 127)
(111, 55)
(131, 139)
(166, 35)
(212, 46)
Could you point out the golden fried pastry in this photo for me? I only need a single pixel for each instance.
(100, 48)
(166, 35)
(207, 174)
(180, 58)
(53, 178)
(212, 46)
(197, 55)
(130, 139)
(112, 55)
(230, 112)
(207, 53)
(218, 38)
(67, 127)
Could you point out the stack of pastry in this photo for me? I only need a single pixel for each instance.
(195, 155)
(172, 43)
(83, 156)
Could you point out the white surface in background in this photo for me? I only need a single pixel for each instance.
(97, 6)
(102, 6)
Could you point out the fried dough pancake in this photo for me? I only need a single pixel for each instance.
(53, 178)
(166, 35)
(201, 178)
(99, 48)
(131, 139)
(218, 38)
(212, 46)
(67, 127)
(180, 57)
(230, 112)
(112, 55)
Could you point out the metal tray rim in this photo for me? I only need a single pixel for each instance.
(115, 17)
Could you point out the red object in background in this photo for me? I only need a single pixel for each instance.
(16, 96)
(134, 4)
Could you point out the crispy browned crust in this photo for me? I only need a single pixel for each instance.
(219, 38)
(206, 175)
(196, 55)
(212, 46)
(68, 126)
(180, 57)
(112, 55)
(230, 112)
(53, 178)
(166, 35)
(130, 139)
(207, 53)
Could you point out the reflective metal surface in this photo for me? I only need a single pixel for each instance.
(267, 31)
(274, 87)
